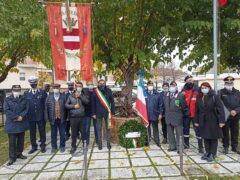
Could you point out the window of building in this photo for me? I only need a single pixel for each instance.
(22, 76)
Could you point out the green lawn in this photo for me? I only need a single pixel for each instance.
(4, 143)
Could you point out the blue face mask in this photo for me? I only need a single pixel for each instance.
(101, 87)
(205, 91)
(33, 86)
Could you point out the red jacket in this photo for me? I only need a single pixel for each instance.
(191, 97)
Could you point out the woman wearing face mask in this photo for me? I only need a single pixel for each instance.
(175, 109)
(76, 105)
(16, 108)
(210, 119)
(55, 113)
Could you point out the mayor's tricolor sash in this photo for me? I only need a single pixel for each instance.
(106, 105)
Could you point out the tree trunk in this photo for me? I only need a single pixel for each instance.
(4, 73)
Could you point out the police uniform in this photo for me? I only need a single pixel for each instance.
(36, 100)
(16, 108)
(68, 93)
(231, 100)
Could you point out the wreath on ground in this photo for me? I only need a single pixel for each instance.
(132, 126)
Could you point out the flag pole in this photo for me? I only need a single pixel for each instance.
(215, 42)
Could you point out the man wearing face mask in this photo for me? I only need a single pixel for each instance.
(16, 108)
(154, 103)
(191, 92)
(103, 110)
(175, 109)
(47, 88)
(231, 100)
(36, 99)
(55, 113)
(68, 93)
(165, 88)
(90, 91)
(76, 104)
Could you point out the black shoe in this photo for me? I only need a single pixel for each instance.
(72, 151)
(32, 151)
(158, 144)
(43, 150)
(10, 162)
(204, 157)
(62, 149)
(210, 158)
(164, 141)
(109, 145)
(174, 149)
(21, 157)
(100, 146)
(225, 150)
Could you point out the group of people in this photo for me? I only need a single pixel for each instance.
(212, 115)
(74, 109)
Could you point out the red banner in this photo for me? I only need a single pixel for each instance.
(56, 38)
(84, 23)
(70, 35)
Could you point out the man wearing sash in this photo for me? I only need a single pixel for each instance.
(103, 109)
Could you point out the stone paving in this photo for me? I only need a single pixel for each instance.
(120, 163)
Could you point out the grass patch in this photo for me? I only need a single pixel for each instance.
(4, 143)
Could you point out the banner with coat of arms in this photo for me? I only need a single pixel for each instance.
(70, 36)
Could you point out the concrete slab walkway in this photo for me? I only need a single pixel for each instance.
(120, 163)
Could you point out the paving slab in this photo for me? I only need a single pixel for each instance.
(98, 164)
(120, 163)
(215, 169)
(24, 176)
(72, 175)
(145, 172)
(140, 162)
(97, 174)
(117, 173)
(168, 170)
(49, 175)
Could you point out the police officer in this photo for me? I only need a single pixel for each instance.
(36, 100)
(231, 100)
(190, 91)
(69, 92)
(165, 90)
(99, 111)
(154, 102)
(16, 108)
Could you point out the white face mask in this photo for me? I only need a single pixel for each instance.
(79, 89)
(150, 88)
(16, 94)
(172, 89)
(229, 88)
(90, 87)
(165, 89)
(56, 91)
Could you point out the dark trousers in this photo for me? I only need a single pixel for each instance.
(99, 125)
(67, 129)
(55, 128)
(164, 128)
(88, 125)
(186, 129)
(211, 146)
(78, 124)
(42, 133)
(155, 131)
(233, 125)
(16, 144)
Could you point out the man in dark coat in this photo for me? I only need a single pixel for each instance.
(154, 103)
(100, 112)
(16, 108)
(36, 100)
(165, 88)
(175, 109)
(68, 93)
(90, 90)
(209, 119)
(56, 114)
(231, 100)
(76, 105)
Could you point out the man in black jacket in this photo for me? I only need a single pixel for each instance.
(231, 100)
(103, 110)
(56, 114)
(76, 105)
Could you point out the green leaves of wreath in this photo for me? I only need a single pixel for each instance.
(132, 126)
